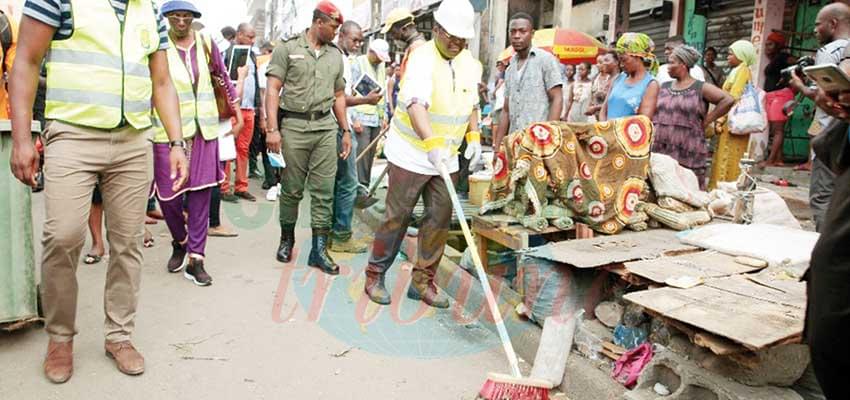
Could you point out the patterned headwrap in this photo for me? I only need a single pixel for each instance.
(638, 45)
(744, 51)
(687, 55)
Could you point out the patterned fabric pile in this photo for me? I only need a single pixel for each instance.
(557, 172)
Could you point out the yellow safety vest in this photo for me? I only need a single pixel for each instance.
(381, 79)
(99, 77)
(453, 98)
(197, 111)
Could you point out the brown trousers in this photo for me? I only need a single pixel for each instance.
(76, 158)
(404, 190)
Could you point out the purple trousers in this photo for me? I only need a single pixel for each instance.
(204, 174)
(197, 205)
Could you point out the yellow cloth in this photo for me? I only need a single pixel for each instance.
(730, 148)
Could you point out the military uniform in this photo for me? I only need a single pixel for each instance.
(308, 129)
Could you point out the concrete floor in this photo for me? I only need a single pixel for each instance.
(262, 330)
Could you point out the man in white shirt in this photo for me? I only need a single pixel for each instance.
(437, 106)
(345, 190)
(663, 76)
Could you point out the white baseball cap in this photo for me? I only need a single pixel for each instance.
(381, 49)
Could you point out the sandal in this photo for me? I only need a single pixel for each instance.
(92, 259)
(148, 243)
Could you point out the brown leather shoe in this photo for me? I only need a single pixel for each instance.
(129, 360)
(422, 287)
(59, 362)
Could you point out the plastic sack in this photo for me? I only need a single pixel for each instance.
(628, 367)
(548, 288)
(747, 116)
(669, 179)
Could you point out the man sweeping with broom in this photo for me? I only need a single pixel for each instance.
(437, 104)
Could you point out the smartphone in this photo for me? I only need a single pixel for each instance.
(829, 77)
(238, 58)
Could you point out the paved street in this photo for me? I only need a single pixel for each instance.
(262, 330)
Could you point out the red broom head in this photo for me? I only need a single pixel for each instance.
(507, 387)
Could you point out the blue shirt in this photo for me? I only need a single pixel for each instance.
(625, 99)
(59, 14)
(249, 88)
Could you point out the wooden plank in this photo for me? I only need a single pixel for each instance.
(506, 231)
(706, 264)
(742, 286)
(604, 250)
(744, 319)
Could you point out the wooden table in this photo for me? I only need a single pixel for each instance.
(506, 231)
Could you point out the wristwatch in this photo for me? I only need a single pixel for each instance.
(346, 130)
(177, 143)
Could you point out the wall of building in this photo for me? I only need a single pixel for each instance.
(588, 17)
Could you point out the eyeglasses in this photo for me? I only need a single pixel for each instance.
(179, 18)
(460, 42)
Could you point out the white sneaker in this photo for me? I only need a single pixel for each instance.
(273, 192)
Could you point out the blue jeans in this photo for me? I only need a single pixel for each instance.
(345, 191)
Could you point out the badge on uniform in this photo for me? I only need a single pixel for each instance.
(296, 56)
(145, 37)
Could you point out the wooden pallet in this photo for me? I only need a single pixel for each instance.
(506, 231)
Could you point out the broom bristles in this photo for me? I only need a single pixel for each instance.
(507, 387)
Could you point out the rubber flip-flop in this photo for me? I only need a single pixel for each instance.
(91, 259)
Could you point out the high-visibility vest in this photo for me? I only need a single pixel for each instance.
(380, 78)
(454, 95)
(197, 111)
(99, 77)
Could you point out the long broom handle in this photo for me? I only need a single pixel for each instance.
(482, 275)
(371, 145)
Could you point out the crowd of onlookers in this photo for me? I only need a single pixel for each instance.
(691, 100)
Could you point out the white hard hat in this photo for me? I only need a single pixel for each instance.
(381, 49)
(457, 17)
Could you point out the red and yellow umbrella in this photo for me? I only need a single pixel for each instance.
(569, 45)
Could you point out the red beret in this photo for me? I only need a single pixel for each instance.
(329, 9)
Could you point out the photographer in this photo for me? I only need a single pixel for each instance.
(828, 278)
(832, 28)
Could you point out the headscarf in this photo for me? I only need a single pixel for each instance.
(687, 55)
(778, 38)
(638, 45)
(744, 51)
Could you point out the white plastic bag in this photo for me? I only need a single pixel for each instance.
(747, 116)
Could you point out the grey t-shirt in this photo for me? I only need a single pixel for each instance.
(831, 53)
(527, 90)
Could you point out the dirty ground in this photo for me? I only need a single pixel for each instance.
(260, 331)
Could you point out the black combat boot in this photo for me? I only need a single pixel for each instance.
(319, 257)
(375, 287)
(287, 244)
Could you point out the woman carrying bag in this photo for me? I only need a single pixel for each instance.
(730, 146)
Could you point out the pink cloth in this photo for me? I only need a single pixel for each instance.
(628, 368)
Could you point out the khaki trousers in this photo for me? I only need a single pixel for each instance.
(76, 158)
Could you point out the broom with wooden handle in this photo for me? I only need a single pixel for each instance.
(498, 386)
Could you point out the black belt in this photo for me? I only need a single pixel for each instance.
(307, 116)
